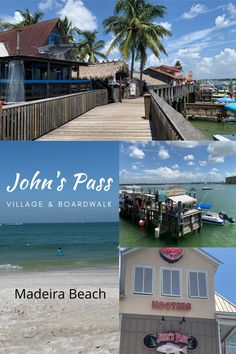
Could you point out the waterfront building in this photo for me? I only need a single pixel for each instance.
(37, 61)
(230, 180)
(167, 74)
(168, 303)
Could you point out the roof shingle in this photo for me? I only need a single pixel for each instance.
(31, 37)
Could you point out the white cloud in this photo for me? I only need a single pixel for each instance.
(231, 9)
(184, 144)
(163, 153)
(190, 38)
(136, 153)
(46, 5)
(115, 53)
(222, 21)
(193, 53)
(175, 167)
(165, 173)
(166, 25)
(79, 15)
(218, 151)
(194, 11)
(189, 157)
(134, 167)
(202, 163)
(13, 19)
(220, 65)
(191, 163)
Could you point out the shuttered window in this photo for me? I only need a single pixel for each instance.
(143, 280)
(170, 282)
(197, 284)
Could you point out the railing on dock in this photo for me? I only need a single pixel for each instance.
(30, 120)
(172, 93)
(167, 123)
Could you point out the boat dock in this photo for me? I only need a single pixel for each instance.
(176, 214)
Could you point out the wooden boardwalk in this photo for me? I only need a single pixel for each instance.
(116, 121)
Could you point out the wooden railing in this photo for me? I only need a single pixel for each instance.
(172, 93)
(168, 124)
(29, 121)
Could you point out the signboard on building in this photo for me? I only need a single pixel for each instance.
(170, 342)
(161, 305)
(171, 254)
(132, 88)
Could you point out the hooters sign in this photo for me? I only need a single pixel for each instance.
(171, 255)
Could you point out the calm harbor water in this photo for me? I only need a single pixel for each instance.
(213, 128)
(34, 246)
(222, 197)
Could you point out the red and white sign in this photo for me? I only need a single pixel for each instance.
(171, 255)
(161, 305)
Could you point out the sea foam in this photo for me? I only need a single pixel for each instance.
(9, 267)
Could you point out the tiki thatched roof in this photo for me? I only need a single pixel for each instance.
(104, 70)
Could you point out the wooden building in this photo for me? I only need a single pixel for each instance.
(39, 60)
(168, 303)
(167, 74)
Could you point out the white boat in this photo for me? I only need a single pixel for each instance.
(209, 217)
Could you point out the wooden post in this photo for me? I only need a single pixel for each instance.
(147, 105)
(120, 92)
(48, 77)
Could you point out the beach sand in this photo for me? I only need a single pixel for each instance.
(59, 326)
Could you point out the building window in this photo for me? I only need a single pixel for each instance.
(197, 284)
(143, 280)
(231, 344)
(170, 282)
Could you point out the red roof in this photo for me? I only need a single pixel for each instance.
(174, 68)
(158, 70)
(31, 37)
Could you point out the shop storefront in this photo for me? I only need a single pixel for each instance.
(168, 304)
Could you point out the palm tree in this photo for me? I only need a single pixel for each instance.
(92, 48)
(27, 19)
(68, 29)
(150, 40)
(136, 21)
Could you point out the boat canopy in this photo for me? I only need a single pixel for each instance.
(231, 107)
(184, 199)
(204, 206)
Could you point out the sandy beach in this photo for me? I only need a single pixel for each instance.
(81, 326)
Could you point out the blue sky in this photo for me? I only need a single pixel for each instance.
(224, 283)
(97, 160)
(180, 162)
(203, 32)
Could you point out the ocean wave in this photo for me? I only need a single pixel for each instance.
(9, 267)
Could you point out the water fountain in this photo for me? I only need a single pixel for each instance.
(15, 89)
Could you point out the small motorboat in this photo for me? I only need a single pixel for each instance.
(209, 217)
(207, 188)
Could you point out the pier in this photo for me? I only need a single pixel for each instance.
(88, 116)
(176, 214)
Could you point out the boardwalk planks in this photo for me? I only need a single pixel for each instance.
(29, 121)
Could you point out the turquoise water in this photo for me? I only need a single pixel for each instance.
(34, 246)
(222, 197)
(213, 128)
